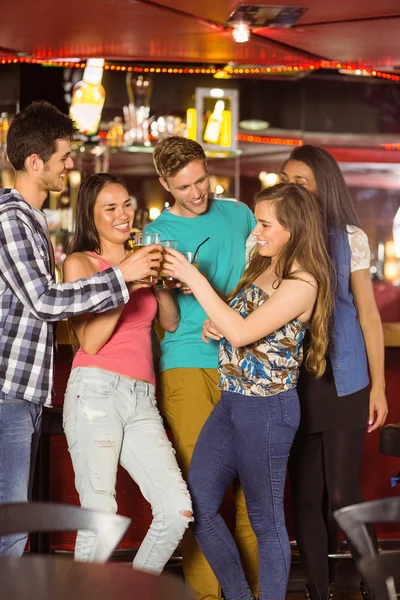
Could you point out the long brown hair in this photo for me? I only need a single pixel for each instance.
(297, 211)
(86, 236)
(333, 195)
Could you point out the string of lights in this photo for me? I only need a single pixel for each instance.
(196, 70)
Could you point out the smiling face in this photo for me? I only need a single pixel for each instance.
(190, 188)
(271, 236)
(113, 214)
(54, 170)
(298, 172)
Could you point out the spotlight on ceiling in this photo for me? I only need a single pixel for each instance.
(241, 32)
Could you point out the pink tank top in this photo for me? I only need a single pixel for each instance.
(129, 350)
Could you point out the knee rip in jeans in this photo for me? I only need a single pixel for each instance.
(167, 445)
(105, 445)
(95, 477)
(187, 513)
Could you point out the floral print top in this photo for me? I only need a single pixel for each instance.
(268, 366)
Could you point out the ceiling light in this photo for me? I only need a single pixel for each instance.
(241, 33)
(217, 93)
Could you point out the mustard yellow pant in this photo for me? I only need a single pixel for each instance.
(187, 398)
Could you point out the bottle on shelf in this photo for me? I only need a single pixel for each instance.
(66, 217)
(115, 135)
(88, 98)
(212, 131)
(226, 129)
(4, 124)
(3, 127)
(191, 121)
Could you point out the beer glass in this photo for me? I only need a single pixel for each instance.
(144, 238)
(193, 258)
(166, 281)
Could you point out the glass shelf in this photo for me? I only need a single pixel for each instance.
(102, 148)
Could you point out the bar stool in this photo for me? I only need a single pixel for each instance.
(389, 444)
(51, 425)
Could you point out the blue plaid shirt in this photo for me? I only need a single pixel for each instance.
(31, 302)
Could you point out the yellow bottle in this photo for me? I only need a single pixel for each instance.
(3, 128)
(226, 129)
(88, 98)
(191, 124)
(213, 127)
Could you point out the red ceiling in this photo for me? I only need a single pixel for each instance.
(361, 32)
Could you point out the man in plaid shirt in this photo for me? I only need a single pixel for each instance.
(39, 148)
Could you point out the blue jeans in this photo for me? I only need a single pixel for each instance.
(20, 423)
(249, 436)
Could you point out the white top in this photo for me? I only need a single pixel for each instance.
(250, 243)
(359, 246)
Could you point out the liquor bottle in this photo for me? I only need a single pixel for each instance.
(4, 124)
(213, 128)
(191, 120)
(88, 98)
(3, 128)
(226, 129)
(115, 135)
(66, 217)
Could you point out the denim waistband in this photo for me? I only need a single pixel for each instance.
(113, 379)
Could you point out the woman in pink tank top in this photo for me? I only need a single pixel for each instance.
(110, 411)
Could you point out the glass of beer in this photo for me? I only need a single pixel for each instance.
(193, 258)
(144, 238)
(166, 281)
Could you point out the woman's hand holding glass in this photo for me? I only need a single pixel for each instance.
(144, 262)
(178, 266)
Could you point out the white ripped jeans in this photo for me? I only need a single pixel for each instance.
(109, 419)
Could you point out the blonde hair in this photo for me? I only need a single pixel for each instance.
(297, 211)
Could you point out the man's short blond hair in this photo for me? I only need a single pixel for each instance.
(173, 153)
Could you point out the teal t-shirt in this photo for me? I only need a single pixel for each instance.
(222, 259)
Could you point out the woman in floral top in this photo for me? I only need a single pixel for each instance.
(286, 288)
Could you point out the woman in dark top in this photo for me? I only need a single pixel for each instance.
(339, 407)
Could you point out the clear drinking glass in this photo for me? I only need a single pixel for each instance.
(165, 281)
(144, 238)
(193, 258)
